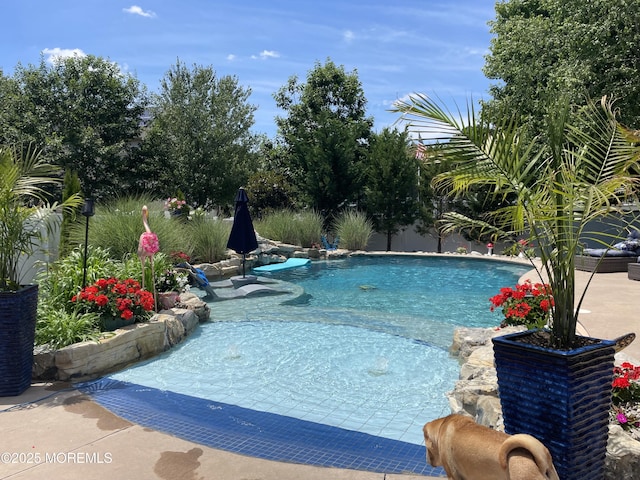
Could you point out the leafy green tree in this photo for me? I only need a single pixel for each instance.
(326, 133)
(437, 203)
(391, 183)
(432, 204)
(542, 47)
(10, 120)
(200, 133)
(268, 191)
(85, 113)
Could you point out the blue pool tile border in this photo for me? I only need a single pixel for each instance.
(257, 434)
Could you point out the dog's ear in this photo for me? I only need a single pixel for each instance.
(430, 437)
(430, 431)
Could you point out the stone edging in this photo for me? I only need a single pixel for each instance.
(127, 345)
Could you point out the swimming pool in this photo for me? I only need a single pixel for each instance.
(359, 344)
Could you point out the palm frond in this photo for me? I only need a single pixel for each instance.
(554, 185)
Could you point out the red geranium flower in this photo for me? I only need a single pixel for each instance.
(114, 298)
(526, 304)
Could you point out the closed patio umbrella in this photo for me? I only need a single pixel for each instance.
(243, 237)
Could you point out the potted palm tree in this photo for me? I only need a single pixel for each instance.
(553, 383)
(24, 219)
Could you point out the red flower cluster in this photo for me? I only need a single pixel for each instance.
(116, 299)
(626, 397)
(625, 382)
(528, 304)
(178, 257)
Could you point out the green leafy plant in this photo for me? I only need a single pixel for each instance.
(302, 228)
(63, 278)
(521, 248)
(206, 239)
(309, 227)
(58, 328)
(117, 226)
(354, 229)
(556, 185)
(280, 226)
(25, 214)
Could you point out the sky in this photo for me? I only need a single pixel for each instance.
(396, 47)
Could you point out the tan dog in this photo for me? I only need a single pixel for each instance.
(468, 451)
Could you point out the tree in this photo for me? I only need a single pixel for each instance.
(269, 191)
(85, 113)
(572, 46)
(200, 131)
(9, 113)
(432, 204)
(436, 203)
(391, 183)
(326, 133)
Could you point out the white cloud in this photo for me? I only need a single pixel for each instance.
(349, 36)
(231, 57)
(54, 55)
(266, 54)
(136, 10)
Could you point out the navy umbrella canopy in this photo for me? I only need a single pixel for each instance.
(243, 237)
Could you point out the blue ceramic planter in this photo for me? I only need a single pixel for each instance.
(17, 332)
(560, 397)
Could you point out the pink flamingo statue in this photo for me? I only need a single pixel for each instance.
(147, 247)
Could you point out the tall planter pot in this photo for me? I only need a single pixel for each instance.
(17, 331)
(560, 397)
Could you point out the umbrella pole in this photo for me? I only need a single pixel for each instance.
(244, 259)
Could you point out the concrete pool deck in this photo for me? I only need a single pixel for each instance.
(65, 435)
(53, 431)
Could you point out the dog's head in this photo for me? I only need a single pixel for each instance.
(431, 435)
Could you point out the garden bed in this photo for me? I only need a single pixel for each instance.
(122, 347)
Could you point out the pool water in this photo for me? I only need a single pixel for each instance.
(360, 344)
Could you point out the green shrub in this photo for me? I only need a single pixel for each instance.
(117, 226)
(309, 224)
(353, 230)
(59, 322)
(207, 238)
(279, 225)
(71, 186)
(63, 278)
(296, 228)
(59, 328)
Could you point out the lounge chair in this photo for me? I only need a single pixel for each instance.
(633, 270)
(608, 264)
(329, 246)
(613, 259)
